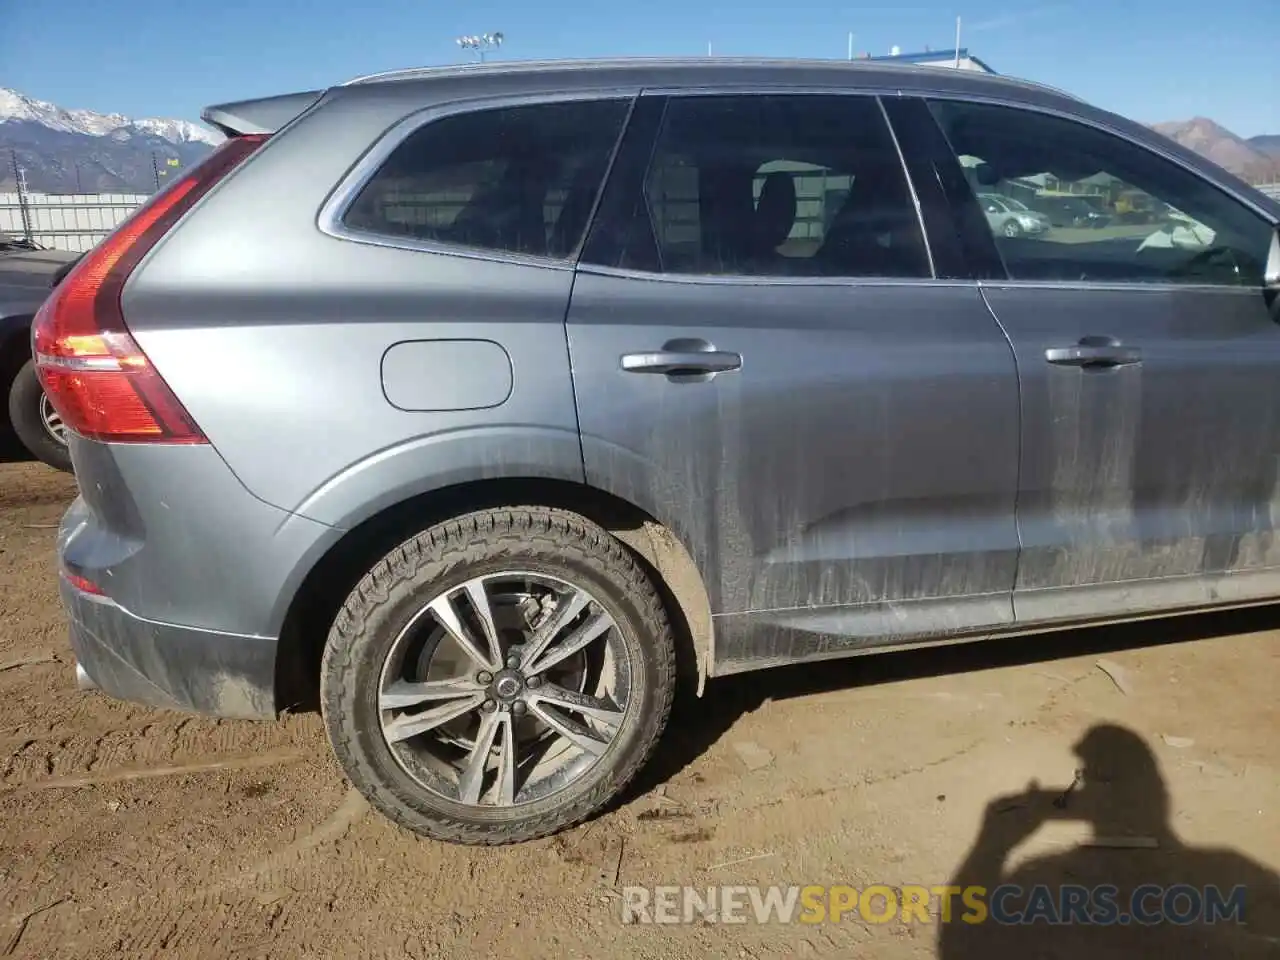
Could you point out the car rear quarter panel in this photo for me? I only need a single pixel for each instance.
(170, 535)
(275, 335)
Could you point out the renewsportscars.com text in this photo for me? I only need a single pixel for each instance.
(1009, 904)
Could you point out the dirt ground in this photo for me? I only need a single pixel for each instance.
(130, 832)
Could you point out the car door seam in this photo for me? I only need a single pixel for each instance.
(1017, 488)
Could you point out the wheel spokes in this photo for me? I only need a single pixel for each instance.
(472, 778)
(443, 610)
(581, 638)
(52, 420)
(576, 733)
(567, 609)
(594, 708)
(405, 693)
(480, 603)
(411, 724)
(507, 764)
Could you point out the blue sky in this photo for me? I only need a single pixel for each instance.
(1149, 59)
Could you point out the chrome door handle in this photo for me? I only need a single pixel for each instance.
(1093, 355)
(682, 361)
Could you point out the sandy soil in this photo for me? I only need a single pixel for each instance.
(129, 832)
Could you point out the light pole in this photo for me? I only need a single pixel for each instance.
(24, 209)
(482, 43)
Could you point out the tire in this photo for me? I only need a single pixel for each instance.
(1012, 229)
(366, 651)
(25, 399)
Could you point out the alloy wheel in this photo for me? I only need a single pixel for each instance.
(504, 690)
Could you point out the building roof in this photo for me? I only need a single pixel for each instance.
(933, 56)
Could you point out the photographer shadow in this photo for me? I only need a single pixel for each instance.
(1179, 900)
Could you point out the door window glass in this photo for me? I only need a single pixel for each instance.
(516, 179)
(1069, 202)
(801, 185)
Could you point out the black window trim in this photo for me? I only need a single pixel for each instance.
(624, 186)
(666, 93)
(911, 190)
(330, 219)
(1147, 286)
(963, 250)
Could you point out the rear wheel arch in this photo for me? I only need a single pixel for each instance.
(320, 595)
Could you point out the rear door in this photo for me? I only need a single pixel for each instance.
(764, 360)
(1150, 371)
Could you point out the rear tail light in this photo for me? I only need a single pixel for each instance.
(95, 375)
(83, 584)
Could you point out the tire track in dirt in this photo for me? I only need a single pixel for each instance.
(137, 854)
(154, 738)
(118, 775)
(270, 870)
(247, 908)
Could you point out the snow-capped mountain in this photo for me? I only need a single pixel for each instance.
(178, 131)
(80, 151)
(16, 106)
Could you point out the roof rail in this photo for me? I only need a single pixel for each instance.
(710, 63)
(504, 66)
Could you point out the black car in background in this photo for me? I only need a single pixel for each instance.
(27, 274)
(1068, 211)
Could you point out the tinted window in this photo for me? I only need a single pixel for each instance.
(518, 179)
(1069, 202)
(776, 186)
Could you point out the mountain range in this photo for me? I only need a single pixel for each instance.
(79, 151)
(1256, 159)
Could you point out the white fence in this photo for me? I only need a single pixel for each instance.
(63, 221)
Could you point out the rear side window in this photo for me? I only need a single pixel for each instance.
(786, 185)
(514, 179)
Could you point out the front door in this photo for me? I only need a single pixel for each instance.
(1149, 367)
(764, 362)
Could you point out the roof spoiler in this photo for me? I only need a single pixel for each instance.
(266, 115)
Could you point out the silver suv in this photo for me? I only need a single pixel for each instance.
(470, 398)
(1011, 218)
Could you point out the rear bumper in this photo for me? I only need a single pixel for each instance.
(164, 665)
(197, 577)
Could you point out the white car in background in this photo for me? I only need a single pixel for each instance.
(1180, 231)
(1012, 218)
